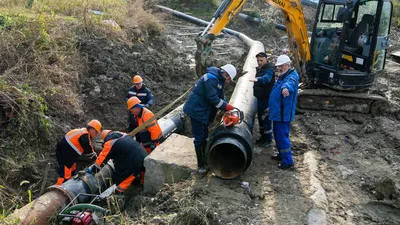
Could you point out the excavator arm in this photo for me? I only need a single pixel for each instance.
(295, 28)
(225, 12)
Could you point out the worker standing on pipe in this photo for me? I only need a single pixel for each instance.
(72, 145)
(262, 88)
(202, 105)
(282, 109)
(145, 96)
(151, 136)
(128, 157)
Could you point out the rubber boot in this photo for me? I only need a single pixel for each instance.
(205, 161)
(200, 157)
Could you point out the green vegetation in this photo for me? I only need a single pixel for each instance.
(396, 12)
(41, 73)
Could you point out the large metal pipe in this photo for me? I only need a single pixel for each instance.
(172, 122)
(45, 207)
(250, 18)
(201, 22)
(230, 149)
(192, 19)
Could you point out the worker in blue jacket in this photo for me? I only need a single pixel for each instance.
(202, 105)
(140, 91)
(282, 109)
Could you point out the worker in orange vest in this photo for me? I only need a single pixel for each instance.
(151, 135)
(72, 145)
(143, 93)
(127, 155)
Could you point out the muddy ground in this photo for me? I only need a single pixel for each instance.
(357, 155)
(358, 162)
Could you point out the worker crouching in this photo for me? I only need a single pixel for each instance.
(127, 155)
(75, 143)
(150, 135)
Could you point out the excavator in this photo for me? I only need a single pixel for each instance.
(338, 63)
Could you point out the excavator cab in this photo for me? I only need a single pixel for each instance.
(349, 43)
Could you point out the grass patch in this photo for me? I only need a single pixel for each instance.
(396, 12)
(41, 74)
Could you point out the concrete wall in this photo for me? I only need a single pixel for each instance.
(170, 162)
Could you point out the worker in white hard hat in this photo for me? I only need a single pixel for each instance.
(282, 109)
(202, 105)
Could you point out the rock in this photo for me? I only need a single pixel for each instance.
(358, 121)
(386, 188)
(112, 23)
(172, 161)
(369, 129)
(349, 213)
(103, 77)
(136, 55)
(97, 89)
(156, 220)
(316, 216)
(345, 172)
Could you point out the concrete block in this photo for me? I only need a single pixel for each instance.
(172, 161)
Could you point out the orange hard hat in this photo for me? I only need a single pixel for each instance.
(132, 101)
(104, 134)
(95, 124)
(137, 79)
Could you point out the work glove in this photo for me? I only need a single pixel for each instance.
(90, 170)
(229, 107)
(92, 155)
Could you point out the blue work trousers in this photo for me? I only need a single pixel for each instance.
(199, 131)
(266, 124)
(282, 140)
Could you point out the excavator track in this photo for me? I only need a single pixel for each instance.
(335, 101)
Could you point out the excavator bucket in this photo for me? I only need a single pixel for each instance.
(204, 56)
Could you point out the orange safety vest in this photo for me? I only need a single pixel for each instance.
(72, 138)
(152, 131)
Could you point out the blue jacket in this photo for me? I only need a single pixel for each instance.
(143, 94)
(206, 97)
(281, 108)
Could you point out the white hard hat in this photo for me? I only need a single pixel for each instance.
(230, 69)
(282, 59)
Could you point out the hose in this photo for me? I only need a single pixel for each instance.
(83, 206)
